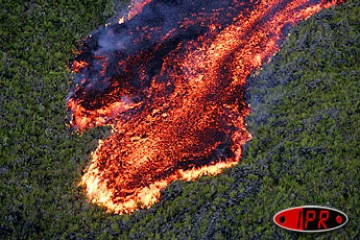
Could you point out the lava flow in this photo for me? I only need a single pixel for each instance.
(169, 78)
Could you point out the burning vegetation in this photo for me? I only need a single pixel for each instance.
(169, 78)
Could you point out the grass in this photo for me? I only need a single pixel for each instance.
(305, 123)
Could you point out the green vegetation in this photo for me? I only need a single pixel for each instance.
(305, 123)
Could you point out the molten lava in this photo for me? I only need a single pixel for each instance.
(169, 78)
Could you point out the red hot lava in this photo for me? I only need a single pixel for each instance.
(169, 78)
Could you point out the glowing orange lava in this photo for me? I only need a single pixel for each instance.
(169, 78)
(78, 65)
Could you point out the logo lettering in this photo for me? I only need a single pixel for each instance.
(323, 217)
(310, 216)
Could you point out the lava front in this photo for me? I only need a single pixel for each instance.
(169, 78)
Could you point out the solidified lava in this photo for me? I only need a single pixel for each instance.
(169, 78)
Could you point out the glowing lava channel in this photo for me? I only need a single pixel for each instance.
(169, 78)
